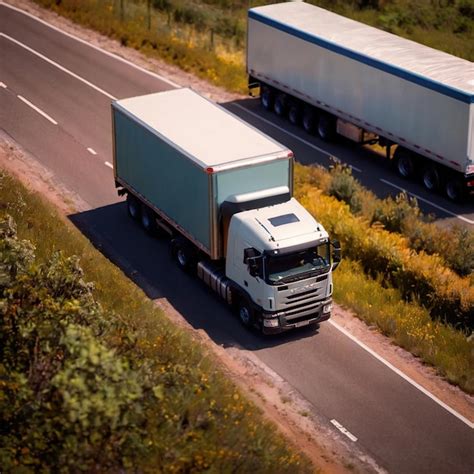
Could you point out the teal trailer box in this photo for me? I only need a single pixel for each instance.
(184, 156)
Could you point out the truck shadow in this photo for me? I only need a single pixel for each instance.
(147, 261)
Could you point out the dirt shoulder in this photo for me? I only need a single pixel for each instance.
(279, 401)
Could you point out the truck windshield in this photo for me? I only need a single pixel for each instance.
(298, 265)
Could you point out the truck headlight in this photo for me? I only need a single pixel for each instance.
(327, 308)
(271, 323)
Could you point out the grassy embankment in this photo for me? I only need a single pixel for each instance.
(208, 37)
(192, 417)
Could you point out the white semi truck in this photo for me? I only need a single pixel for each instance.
(335, 76)
(222, 191)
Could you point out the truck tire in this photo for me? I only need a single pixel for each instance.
(309, 119)
(267, 97)
(294, 113)
(280, 105)
(430, 177)
(148, 220)
(326, 127)
(245, 313)
(404, 162)
(133, 206)
(183, 254)
(454, 188)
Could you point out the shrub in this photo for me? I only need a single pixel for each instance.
(344, 186)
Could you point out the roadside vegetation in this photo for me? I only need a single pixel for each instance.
(207, 37)
(400, 272)
(94, 378)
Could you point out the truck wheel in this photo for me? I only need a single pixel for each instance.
(266, 98)
(326, 127)
(430, 177)
(148, 220)
(309, 120)
(404, 162)
(294, 113)
(245, 313)
(454, 188)
(280, 105)
(183, 255)
(133, 206)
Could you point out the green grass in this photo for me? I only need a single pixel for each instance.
(207, 38)
(234, 432)
(408, 324)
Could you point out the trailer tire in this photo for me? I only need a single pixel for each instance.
(148, 220)
(133, 206)
(326, 127)
(294, 113)
(454, 188)
(267, 97)
(309, 120)
(404, 162)
(430, 177)
(280, 105)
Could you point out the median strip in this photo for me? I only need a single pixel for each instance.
(37, 109)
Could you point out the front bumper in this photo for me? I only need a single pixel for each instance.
(315, 316)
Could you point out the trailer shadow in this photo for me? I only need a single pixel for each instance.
(147, 261)
(369, 167)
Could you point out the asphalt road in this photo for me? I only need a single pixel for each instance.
(55, 99)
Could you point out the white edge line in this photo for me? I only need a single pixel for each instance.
(469, 221)
(98, 48)
(110, 165)
(54, 63)
(92, 151)
(3, 85)
(296, 137)
(370, 351)
(344, 430)
(37, 109)
(404, 376)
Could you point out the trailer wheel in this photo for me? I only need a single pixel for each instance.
(266, 98)
(280, 105)
(133, 206)
(430, 177)
(148, 220)
(404, 162)
(309, 120)
(326, 127)
(454, 188)
(294, 113)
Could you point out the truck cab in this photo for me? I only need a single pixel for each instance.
(279, 260)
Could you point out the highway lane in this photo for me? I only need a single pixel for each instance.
(388, 415)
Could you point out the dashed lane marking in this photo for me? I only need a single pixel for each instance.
(37, 109)
(97, 48)
(110, 165)
(344, 430)
(92, 151)
(54, 63)
(296, 137)
(3, 85)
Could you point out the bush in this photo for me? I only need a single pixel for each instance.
(344, 186)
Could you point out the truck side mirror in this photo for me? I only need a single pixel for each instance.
(253, 266)
(336, 254)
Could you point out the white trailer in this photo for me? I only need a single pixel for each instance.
(337, 76)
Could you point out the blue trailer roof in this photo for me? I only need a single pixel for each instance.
(430, 68)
